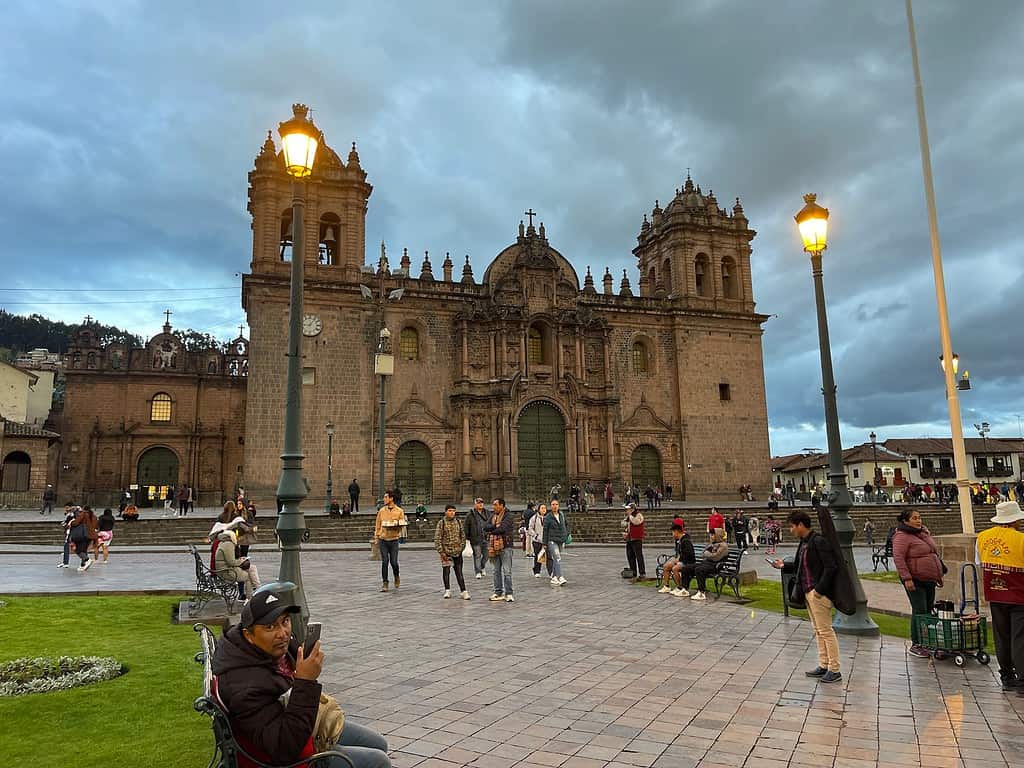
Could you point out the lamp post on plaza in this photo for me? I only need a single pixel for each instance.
(299, 139)
(383, 366)
(878, 474)
(983, 430)
(812, 221)
(330, 457)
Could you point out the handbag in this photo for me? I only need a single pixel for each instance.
(467, 551)
(330, 720)
(568, 540)
(374, 549)
(542, 556)
(495, 545)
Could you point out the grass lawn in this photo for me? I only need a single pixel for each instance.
(142, 718)
(889, 577)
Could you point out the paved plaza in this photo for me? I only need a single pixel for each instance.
(602, 674)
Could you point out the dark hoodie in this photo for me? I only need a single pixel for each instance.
(684, 550)
(250, 684)
(474, 525)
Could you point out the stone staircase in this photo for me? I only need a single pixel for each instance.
(598, 526)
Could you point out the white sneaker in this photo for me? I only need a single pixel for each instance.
(665, 591)
(698, 596)
(479, 575)
(679, 592)
(62, 565)
(554, 580)
(85, 566)
(447, 594)
(464, 595)
(496, 598)
(536, 575)
(509, 599)
(561, 580)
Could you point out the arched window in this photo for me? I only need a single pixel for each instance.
(641, 362)
(652, 281)
(700, 272)
(535, 346)
(409, 344)
(286, 235)
(160, 409)
(15, 471)
(729, 278)
(666, 275)
(330, 235)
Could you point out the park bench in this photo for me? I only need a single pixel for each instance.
(881, 554)
(227, 750)
(729, 572)
(209, 585)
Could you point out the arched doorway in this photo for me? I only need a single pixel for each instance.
(15, 471)
(157, 472)
(414, 473)
(541, 450)
(646, 468)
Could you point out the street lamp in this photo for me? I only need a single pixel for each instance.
(812, 221)
(330, 456)
(299, 139)
(878, 475)
(383, 366)
(983, 430)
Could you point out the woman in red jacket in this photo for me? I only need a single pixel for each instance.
(920, 569)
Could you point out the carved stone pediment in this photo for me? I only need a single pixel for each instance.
(415, 413)
(644, 417)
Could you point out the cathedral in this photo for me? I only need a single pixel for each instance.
(507, 384)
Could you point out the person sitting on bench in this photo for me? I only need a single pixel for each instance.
(270, 691)
(716, 551)
(680, 565)
(231, 567)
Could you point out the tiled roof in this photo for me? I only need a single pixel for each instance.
(939, 446)
(17, 429)
(856, 455)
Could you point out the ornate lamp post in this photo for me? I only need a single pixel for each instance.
(299, 139)
(878, 474)
(812, 221)
(330, 457)
(383, 366)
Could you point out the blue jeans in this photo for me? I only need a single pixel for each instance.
(363, 746)
(502, 565)
(479, 558)
(388, 553)
(555, 558)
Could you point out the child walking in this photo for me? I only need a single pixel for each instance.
(449, 541)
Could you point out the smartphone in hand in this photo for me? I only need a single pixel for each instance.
(312, 635)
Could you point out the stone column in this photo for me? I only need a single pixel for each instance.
(506, 452)
(522, 351)
(581, 440)
(609, 462)
(493, 457)
(465, 350)
(571, 453)
(502, 367)
(467, 459)
(490, 355)
(586, 446)
(579, 356)
(607, 358)
(514, 449)
(559, 358)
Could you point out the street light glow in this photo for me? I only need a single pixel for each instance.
(299, 140)
(813, 224)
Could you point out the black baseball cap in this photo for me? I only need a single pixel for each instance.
(268, 603)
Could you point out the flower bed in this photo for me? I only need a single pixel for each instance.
(44, 673)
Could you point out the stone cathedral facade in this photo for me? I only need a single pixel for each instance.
(527, 376)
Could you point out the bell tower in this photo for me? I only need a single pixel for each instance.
(335, 224)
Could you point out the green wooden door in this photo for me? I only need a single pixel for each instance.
(646, 467)
(414, 473)
(541, 451)
(158, 471)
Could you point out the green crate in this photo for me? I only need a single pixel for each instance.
(951, 634)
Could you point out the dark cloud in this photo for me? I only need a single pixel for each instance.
(129, 128)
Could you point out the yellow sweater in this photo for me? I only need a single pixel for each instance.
(390, 523)
(1001, 552)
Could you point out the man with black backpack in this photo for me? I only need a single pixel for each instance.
(816, 575)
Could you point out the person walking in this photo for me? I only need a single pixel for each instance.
(816, 568)
(609, 493)
(869, 532)
(390, 526)
(715, 521)
(556, 532)
(83, 534)
(69, 518)
(920, 569)
(182, 499)
(449, 541)
(246, 529)
(476, 520)
(353, 495)
(535, 534)
(104, 535)
(754, 526)
(1001, 553)
(588, 493)
(740, 529)
(634, 536)
(500, 530)
(49, 497)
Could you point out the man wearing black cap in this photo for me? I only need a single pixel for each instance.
(270, 687)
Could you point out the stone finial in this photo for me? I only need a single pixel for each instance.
(382, 264)
(646, 225)
(268, 149)
(737, 210)
(607, 281)
(688, 186)
(405, 262)
(447, 267)
(541, 232)
(467, 272)
(588, 282)
(624, 287)
(522, 229)
(426, 272)
(353, 156)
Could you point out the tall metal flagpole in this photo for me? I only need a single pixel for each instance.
(952, 399)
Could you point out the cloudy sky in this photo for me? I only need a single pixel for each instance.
(128, 129)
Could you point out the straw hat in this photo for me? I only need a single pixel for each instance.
(1008, 512)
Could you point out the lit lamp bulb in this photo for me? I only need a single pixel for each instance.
(299, 139)
(813, 224)
(956, 363)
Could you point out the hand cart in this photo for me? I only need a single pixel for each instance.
(960, 637)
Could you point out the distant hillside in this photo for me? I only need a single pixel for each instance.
(19, 333)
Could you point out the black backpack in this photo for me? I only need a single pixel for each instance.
(843, 595)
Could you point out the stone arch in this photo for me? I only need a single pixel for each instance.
(642, 354)
(16, 471)
(540, 447)
(540, 345)
(702, 275)
(156, 470)
(329, 239)
(730, 278)
(285, 235)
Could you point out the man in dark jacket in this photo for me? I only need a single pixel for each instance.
(816, 569)
(499, 532)
(683, 561)
(270, 688)
(353, 495)
(474, 523)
